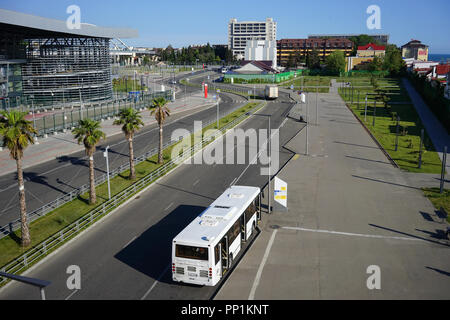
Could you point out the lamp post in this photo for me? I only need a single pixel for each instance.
(105, 154)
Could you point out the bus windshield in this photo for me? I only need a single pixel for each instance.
(188, 252)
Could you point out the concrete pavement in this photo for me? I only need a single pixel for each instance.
(349, 209)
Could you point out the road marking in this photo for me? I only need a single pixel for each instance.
(261, 266)
(155, 283)
(70, 295)
(352, 234)
(196, 182)
(129, 242)
(168, 206)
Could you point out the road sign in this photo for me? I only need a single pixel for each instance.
(280, 192)
(292, 87)
(218, 90)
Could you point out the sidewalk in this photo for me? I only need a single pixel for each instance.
(349, 209)
(64, 144)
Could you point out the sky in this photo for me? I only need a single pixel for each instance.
(187, 22)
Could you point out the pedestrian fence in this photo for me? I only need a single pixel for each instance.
(70, 196)
(45, 247)
(69, 118)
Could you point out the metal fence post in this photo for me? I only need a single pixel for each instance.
(420, 148)
(444, 162)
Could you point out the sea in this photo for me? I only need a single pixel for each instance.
(439, 57)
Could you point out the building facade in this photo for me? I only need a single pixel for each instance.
(382, 38)
(371, 50)
(260, 50)
(43, 61)
(295, 48)
(240, 32)
(416, 50)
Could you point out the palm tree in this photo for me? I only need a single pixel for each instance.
(131, 120)
(88, 132)
(17, 134)
(161, 112)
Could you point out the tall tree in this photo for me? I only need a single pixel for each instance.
(89, 133)
(335, 62)
(131, 121)
(161, 112)
(313, 59)
(17, 133)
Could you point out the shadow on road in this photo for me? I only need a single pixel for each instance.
(414, 236)
(151, 252)
(440, 271)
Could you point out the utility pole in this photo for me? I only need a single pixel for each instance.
(105, 154)
(307, 120)
(317, 102)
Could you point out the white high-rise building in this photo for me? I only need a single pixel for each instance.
(260, 50)
(240, 32)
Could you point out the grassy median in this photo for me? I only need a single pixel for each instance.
(63, 216)
(410, 125)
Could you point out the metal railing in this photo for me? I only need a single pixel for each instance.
(45, 247)
(9, 228)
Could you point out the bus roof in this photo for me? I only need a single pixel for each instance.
(209, 227)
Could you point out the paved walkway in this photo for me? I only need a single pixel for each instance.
(349, 209)
(64, 144)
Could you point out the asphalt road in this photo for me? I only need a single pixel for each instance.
(128, 254)
(48, 181)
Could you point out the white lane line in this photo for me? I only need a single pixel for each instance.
(168, 206)
(129, 242)
(352, 234)
(261, 266)
(155, 283)
(70, 295)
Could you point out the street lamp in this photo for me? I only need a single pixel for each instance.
(105, 154)
(270, 155)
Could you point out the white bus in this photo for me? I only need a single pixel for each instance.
(204, 251)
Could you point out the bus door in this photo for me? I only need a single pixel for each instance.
(258, 207)
(224, 254)
(243, 227)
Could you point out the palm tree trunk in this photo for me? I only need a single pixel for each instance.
(92, 195)
(132, 170)
(160, 156)
(26, 240)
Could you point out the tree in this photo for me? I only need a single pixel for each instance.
(131, 121)
(161, 112)
(393, 61)
(88, 132)
(313, 60)
(336, 62)
(376, 64)
(17, 133)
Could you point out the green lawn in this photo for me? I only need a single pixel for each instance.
(384, 131)
(61, 217)
(439, 200)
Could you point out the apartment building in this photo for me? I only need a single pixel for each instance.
(239, 32)
(287, 48)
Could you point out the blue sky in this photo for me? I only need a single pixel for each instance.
(184, 22)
